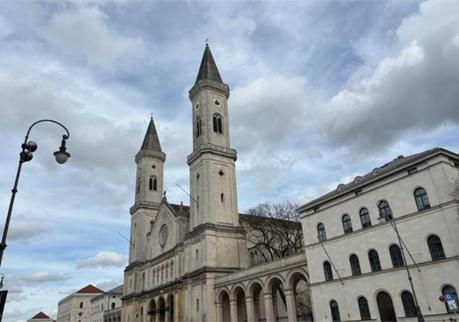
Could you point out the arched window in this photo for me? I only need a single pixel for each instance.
(396, 256)
(385, 307)
(218, 123)
(81, 305)
(198, 126)
(384, 209)
(328, 271)
(364, 309)
(408, 304)
(365, 218)
(422, 201)
(334, 310)
(374, 261)
(347, 224)
(355, 265)
(449, 291)
(222, 197)
(153, 183)
(435, 247)
(321, 232)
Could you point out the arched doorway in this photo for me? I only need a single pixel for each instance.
(258, 302)
(170, 308)
(279, 303)
(239, 296)
(385, 307)
(300, 287)
(162, 309)
(226, 310)
(152, 311)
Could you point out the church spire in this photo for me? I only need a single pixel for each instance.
(208, 69)
(151, 140)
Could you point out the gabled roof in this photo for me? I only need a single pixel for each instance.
(378, 173)
(90, 289)
(151, 140)
(116, 290)
(40, 315)
(208, 69)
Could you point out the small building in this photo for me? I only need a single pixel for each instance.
(76, 307)
(107, 306)
(41, 317)
(358, 264)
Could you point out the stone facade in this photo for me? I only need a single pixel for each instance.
(106, 307)
(183, 259)
(77, 306)
(347, 281)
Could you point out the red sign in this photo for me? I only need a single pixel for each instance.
(442, 298)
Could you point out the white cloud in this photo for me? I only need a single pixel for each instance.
(23, 229)
(416, 89)
(42, 277)
(104, 259)
(85, 31)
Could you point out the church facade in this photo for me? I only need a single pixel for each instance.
(196, 263)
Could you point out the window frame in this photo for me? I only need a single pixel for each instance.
(355, 265)
(385, 211)
(396, 256)
(347, 223)
(365, 313)
(321, 232)
(375, 266)
(421, 199)
(365, 219)
(437, 253)
(328, 272)
(409, 307)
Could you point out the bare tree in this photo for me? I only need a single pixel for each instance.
(275, 230)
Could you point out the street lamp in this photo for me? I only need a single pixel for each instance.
(390, 219)
(28, 147)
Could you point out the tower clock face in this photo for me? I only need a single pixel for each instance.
(163, 235)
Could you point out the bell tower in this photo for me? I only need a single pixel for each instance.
(148, 191)
(212, 168)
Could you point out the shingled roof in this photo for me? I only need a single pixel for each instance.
(90, 289)
(40, 315)
(208, 69)
(376, 174)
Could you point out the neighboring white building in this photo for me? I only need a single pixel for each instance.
(41, 317)
(105, 306)
(357, 270)
(76, 307)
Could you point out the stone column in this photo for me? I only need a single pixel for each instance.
(250, 309)
(291, 307)
(218, 307)
(269, 310)
(233, 309)
(167, 314)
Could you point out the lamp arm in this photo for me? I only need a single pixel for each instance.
(66, 136)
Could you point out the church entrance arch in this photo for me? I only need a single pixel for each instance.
(162, 309)
(152, 310)
(225, 306)
(256, 291)
(239, 296)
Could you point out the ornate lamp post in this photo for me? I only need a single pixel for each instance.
(28, 147)
(393, 224)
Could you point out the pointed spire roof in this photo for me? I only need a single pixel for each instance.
(151, 140)
(208, 68)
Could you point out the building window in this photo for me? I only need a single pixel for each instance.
(384, 210)
(347, 224)
(138, 185)
(217, 123)
(222, 197)
(374, 261)
(365, 219)
(435, 248)
(321, 232)
(198, 127)
(408, 304)
(153, 184)
(422, 201)
(328, 271)
(81, 305)
(364, 309)
(113, 305)
(396, 256)
(197, 305)
(355, 265)
(385, 307)
(334, 310)
(451, 292)
(197, 254)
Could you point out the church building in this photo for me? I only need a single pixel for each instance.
(196, 263)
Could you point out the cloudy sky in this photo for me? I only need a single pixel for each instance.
(320, 92)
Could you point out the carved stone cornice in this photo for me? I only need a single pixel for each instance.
(209, 84)
(144, 205)
(214, 149)
(148, 153)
